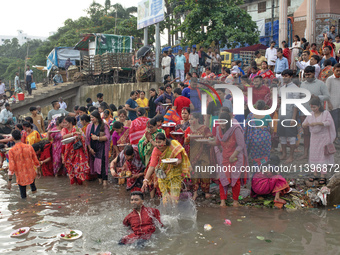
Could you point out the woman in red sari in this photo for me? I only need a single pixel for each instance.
(138, 126)
(43, 150)
(76, 161)
(266, 73)
(182, 127)
(199, 154)
(287, 53)
(234, 153)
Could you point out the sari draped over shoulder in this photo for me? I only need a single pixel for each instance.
(135, 166)
(120, 139)
(47, 168)
(181, 128)
(232, 140)
(76, 161)
(137, 129)
(56, 150)
(101, 158)
(33, 138)
(145, 151)
(267, 74)
(175, 174)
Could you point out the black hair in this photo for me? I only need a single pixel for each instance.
(305, 45)
(141, 112)
(89, 105)
(285, 45)
(316, 57)
(207, 68)
(307, 52)
(317, 102)
(264, 62)
(279, 50)
(122, 111)
(60, 120)
(85, 118)
(337, 65)
(71, 120)
(16, 134)
(76, 107)
(107, 112)
(117, 124)
(152, 122)
(29, 119)
(54, 103)
(33, 108)
(159, 117)
(189, 74)
(310, 69)
(121, 107)
(27, 124)
(92, 108)
(272, 42)
(161, 88)
(161, 136)
(225, 116)
(258, 77)
(132, 93)
(260, 104)
(327, 62)
(256, 52)
(298, 37)
(313, 44)
(96, 114)
(104, 105)
(227, 70)
(137, 193)
(187, 109)
(303, 40)
(113, 107)
(100, 95)
(88, 100)
(82, 108)
(167, 85)
(287, 71)
(329, 47)
(19, 126)
(238, 61)
(178, 91)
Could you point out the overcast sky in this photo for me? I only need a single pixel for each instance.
(39, 17)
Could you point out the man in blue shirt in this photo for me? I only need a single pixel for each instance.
(281, 64)
(195, 96)
(132, 106)
(180, 60)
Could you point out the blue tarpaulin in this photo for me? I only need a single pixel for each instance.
(59, 55)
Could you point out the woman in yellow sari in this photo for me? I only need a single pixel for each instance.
(32, 135)
(143, 101)
(170, 175)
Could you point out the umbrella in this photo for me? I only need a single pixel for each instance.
(143, 51)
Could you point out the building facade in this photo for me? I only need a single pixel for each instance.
(22, 38)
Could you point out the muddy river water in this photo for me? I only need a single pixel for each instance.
(98, 212)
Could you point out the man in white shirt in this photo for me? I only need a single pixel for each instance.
(6, 115)
(194, 61)
(63, 105)
(271, 56)
(333, 85)
(166, 61)
(2, 88)
(16, 82)
(303, 62)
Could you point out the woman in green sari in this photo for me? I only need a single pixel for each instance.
(170, 174)
(146, 146)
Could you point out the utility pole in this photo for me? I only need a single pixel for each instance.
(283, 21)
(26, 57)
(116, 21)
(145, 36)
(272, 21)
(158, 45)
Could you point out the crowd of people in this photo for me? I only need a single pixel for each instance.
(156, 144)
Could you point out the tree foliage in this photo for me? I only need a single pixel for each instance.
(219, 21)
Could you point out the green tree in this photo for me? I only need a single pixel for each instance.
(107, 5)
(219, 21)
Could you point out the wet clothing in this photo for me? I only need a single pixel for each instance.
(142, 224)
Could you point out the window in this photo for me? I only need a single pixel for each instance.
(261, 7)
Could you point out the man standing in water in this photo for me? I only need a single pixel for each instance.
(23, 162)
(142, 220)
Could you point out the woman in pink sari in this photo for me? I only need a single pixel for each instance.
(234, 153)
(120, 137)
(266, 183)
(138, 126)
(322, 129)
(55, 135)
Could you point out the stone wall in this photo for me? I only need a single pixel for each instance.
(116, 94)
